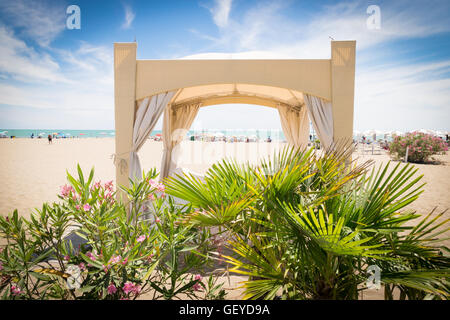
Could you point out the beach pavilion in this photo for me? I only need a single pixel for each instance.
(316, 90)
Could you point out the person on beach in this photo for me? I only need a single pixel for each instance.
(49, 139)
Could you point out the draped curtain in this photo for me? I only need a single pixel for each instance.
(321, 114)
(148, 113)
(177, 121)
(295, 124)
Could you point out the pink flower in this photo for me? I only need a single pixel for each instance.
(115, 259)
(105, 268)
(161, 187)
(77, 207)
(87, 207)
(152, 197)
(109, 185)
(197, 286)
(1, 266)
(91, 256)
(128, 287)
(137, 289)
(131, 288)
(125, 261)
(66, 190)
(153, 183)
(157, 220)
(141, 239)
(97, 185)
(67, 258)
(82, 266)
(112, 289)
(15, 290)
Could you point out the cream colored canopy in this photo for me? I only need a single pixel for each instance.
(239, 93)
(321, 88)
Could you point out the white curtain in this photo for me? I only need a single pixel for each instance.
(177, 121)
(295, 124)
(321, 114)
(148, 113)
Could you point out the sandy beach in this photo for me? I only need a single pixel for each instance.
(32, 171)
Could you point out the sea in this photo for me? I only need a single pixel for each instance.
(261, 134)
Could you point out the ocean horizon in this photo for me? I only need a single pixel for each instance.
(275, 134)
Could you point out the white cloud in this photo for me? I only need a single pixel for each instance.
(129, 17)
(265, 27)
(403, 98)
(38, 20)
(23, 63)
(404, 95)
(81, 80)
(220, 12)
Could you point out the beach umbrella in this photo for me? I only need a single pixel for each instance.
(369, 132)
(441, 133)
(423, 131)
(396, 133)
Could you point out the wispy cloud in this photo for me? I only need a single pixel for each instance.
(80, 79)
(20, 62)
(220, 12)
(129, 17)
(403, 95)
(265, 26)
(38, 20)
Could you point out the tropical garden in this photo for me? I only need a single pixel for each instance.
(299, 225)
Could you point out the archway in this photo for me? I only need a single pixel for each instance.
(145, 89)
(234, 131)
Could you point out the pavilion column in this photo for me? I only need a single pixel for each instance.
(342, 89)
(124, 105)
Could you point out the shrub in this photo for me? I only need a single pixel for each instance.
(121, 255)
(420, 146)
(304, 226)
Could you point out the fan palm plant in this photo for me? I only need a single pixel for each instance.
(305, 226)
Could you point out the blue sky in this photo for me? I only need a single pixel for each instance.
(52, 77)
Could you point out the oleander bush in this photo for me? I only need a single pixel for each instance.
(420, 146)
(306, 226)
(119, 254)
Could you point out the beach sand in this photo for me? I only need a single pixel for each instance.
(32, 171)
